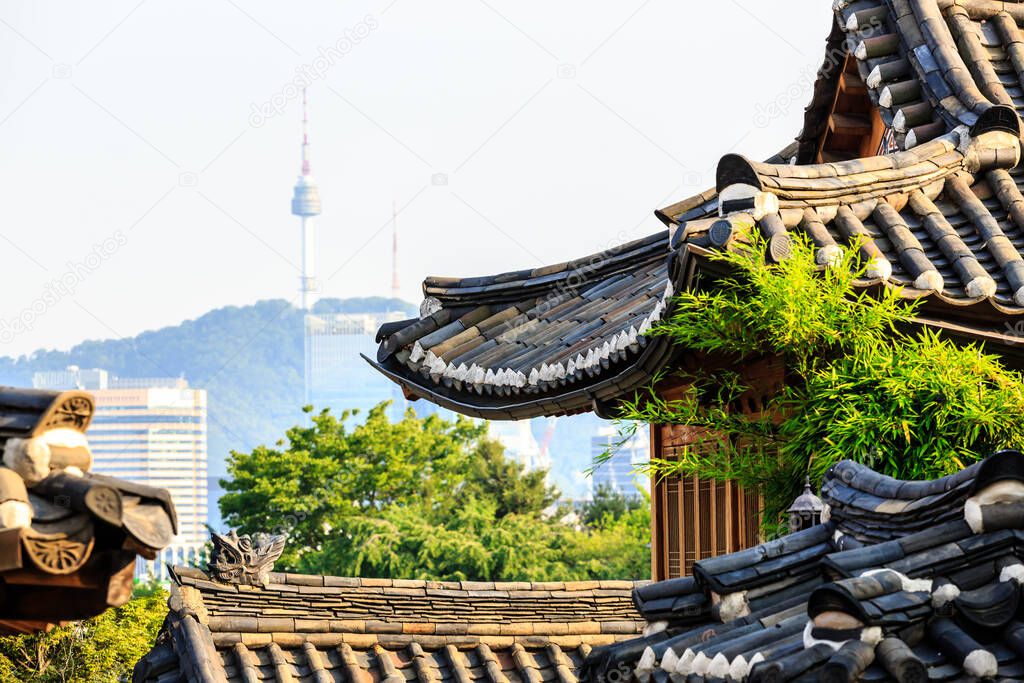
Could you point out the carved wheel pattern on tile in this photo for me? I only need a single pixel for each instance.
(59, 554)
(105, 503)
(74, 412)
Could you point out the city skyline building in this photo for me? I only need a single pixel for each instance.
(619, 473)
(521, 444)
(150, 431)
(336, 375)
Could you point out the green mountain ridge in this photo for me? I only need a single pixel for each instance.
(248, 358)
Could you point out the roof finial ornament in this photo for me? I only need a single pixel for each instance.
(429, 306)
(244, 559)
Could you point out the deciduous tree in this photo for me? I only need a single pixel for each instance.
(417, 498)
(103, 649)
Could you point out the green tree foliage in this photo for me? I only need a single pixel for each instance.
(463, 540)
(862, 382)
(494, 477)
(418, 498)
(329, 474)
(609, 503)
(103, 649)
(618, 544)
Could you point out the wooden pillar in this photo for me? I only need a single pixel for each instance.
(694, 518)
(659, 553)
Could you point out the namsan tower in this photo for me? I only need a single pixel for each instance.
(306, 205)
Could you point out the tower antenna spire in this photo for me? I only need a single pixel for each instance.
(305, 134)
(394, 251)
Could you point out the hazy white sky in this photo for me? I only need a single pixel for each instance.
(148, 149)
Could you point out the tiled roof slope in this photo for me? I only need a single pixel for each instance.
(943, 219)
(934, 65)
(321, 629)
(907, 581)
(499, 342)
(929, 66)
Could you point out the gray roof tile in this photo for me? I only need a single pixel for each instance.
(370, 630)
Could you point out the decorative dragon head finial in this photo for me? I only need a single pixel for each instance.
(244, 559)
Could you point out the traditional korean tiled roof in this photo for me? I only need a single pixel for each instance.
(941, 217)
(321, 629)
(69, 538)
(491, 346)
(905, 580)
(935, 65)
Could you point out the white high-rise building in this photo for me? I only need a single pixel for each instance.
(520, 442)
(336, 375)
(151, 431)
(620, 472)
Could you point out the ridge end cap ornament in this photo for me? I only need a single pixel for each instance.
(246, 559)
